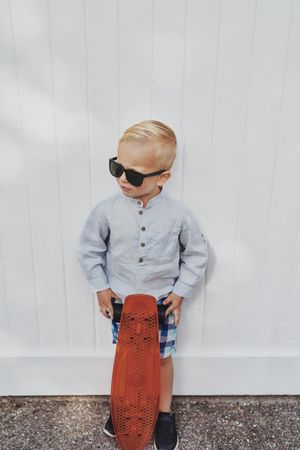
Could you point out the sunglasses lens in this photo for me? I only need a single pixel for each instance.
(115, 168)
(134, 178)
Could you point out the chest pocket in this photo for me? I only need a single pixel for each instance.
(165, 240)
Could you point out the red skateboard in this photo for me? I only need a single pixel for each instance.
(135, 386)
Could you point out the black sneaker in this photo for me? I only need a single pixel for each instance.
(109, 427)
(165, 432)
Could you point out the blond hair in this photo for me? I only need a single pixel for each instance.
(158, 133)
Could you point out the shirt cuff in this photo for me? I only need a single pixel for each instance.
(182, 289)
(97, 285)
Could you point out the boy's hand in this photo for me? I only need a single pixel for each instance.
(104, 300)
(175, 307)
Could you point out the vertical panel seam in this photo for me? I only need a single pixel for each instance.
(26, 176)
(242, 176)
(89, 144)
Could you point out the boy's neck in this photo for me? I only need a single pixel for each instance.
(145, 198)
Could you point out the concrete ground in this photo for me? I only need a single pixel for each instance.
(203, 422)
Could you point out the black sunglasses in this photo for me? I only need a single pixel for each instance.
(133, 177)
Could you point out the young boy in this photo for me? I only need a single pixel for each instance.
(140, 240)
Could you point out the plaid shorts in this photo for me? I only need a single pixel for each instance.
(167, 332)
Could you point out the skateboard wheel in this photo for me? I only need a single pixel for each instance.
(118, 307)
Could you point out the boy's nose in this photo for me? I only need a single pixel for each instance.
(123, 177)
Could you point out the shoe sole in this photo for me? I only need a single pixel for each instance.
(175, 448)
(108, 433)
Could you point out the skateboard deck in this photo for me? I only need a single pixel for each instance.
(135, 386)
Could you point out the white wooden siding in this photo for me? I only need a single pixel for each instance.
(225, 76)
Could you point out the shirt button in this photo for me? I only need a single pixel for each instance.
(143, 244)
(141, 260)
(143, 228)
(141, 212)
(140, 202)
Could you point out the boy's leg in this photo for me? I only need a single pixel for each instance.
(166, 384)
(167, 338)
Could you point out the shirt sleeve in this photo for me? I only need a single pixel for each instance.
(91, 250)
(193, 256)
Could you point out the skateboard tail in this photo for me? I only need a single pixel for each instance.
(135, 387)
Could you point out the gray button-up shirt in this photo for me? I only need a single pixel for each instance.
(136, 250)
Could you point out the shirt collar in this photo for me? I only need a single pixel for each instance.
(151, 202)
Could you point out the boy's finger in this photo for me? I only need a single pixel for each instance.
(103, 311)
(177, 317)
(170, 309)
(110, 312)
(167, 301)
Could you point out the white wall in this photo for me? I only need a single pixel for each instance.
(225, 76)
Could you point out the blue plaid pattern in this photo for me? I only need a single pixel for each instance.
(167, 332)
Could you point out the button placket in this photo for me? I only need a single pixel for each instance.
(141, 212)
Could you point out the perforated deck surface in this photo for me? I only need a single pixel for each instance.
(135, 384)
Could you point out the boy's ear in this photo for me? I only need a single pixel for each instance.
(165, 176)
